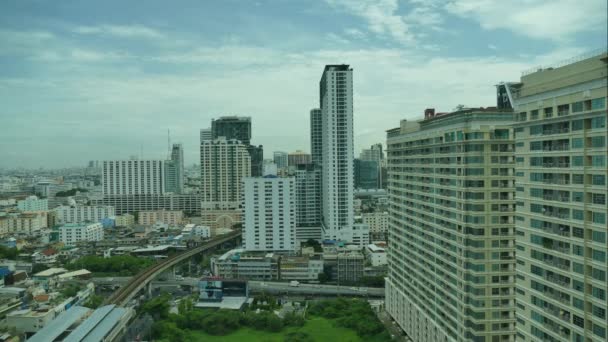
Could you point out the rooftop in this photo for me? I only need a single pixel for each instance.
(51, 272)
(60, 324)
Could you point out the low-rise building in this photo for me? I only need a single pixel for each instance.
(344, 266)
(192, 230)
(238, 264)
(29, 223)
(80, 214)
(72, 233)
(301, 268)
(46, 256)
(378, 224)
(33, 203)
(125, 220)
(376, 255)
(170, 217)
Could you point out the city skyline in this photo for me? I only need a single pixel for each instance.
(73, 70)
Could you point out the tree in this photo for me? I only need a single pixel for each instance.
(314, 244)
(94, 301)
(158, 307)
(39, 268)
(298, 336)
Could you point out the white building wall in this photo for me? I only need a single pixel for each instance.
(133, 177)
(269, 219)
(79, 214)
(33, 203)
(337, 152)
(70, 234)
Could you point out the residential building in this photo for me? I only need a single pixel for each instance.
(29, 223)
(377, 222)
(269, 219)
(206, 134)
(367, 174)
(192, 230)
(190, 204)
(133, 177)
(171, 217)
(224, 163)
(360, 234)
(308, 202)
(374, 153)
(316, 136)
(560, 139)
(33, 203)
(298, 158)
(72, 233)
(345, 266)
(85, 213)
(126, 220)
(239, 128)
(336, 100)
(451, 236)
(280, 159)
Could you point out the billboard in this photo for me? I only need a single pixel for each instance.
(211, 290)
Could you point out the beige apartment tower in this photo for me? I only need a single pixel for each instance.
(451, 226)
(560, 138)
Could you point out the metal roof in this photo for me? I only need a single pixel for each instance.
(60, 324)
(85, 328)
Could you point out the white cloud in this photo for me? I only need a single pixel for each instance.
(355, 33)
(557, 20)
(380, 17)
(124, 31)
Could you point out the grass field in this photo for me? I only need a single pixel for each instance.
(320, 329)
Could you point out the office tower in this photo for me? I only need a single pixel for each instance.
(239, 128)
(451, 232)
(374, 153)
(366, 174)
(560, 138)
(280, 158)
(269, 218)
(174, 170)
(336, 98)
(316, 136)
(224, 163)
(298, 157)
(256, 153)
(232, 127)
(133, 177)
(206, 134)
(308, 202)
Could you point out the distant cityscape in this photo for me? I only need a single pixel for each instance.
(484, 223)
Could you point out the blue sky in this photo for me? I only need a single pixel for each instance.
(85, 80)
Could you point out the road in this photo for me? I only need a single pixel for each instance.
(257, 286)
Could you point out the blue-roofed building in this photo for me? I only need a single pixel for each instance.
(104, 324)
(59, 327)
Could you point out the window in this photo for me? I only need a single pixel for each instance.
(577, 107)
(598, 141)
(599, 256)
(577, 161)
(577, 143)
(598, 161)
(598, 103)
(578, 250)
(577, 196)
(598, 236)
(598, 198)
(599, 218)
(598, 122)
(534, 115)
(577, 214)
(577, 125)
(548, 112)
(599, 180)
(578, 179)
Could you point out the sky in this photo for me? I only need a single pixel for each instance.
(95, 80)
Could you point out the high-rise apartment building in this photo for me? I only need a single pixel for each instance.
(280, 159)
(451, 226)
(560, 139)
(239, 128)
(224, 163)
(308, 202)
(177, 157)
(298, 158)
(336, 99)
(316, 136)
(206, 134)
(367, 173)
(133, 177)
(269, 219)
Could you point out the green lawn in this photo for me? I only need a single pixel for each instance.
(320, 329)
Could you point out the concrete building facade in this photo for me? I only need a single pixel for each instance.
(133, 177)
(72, 233)
(33, 203)
(560, 138)
(451, 238)
(80, 214)
(336, 101)
(171, 217)
(269, 219)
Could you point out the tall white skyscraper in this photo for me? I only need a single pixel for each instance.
(133, 177)
(336, 97)
(269, 219)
